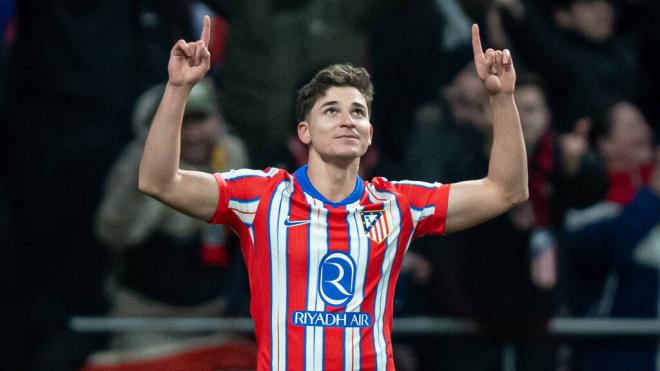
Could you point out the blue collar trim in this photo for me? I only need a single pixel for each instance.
(307, 187)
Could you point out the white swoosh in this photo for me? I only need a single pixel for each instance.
(293, 223)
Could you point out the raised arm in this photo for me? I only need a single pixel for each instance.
(191, 192)
(476, 201)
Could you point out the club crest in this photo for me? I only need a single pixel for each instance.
(375, 224)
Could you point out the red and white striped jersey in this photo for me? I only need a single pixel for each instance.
(322, 274)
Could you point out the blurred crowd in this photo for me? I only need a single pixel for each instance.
(80, 82)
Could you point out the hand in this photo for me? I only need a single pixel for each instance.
(574, 145)
(494, 67)
(189, 62)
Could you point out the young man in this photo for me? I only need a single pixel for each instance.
(323, 248)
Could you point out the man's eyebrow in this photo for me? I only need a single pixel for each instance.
(330, 103)
(354, 104)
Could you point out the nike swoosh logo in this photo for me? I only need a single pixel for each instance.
(293, 223)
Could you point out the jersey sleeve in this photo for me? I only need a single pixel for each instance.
(428, 205)
(240, 192)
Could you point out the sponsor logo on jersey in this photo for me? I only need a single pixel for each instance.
(331, 319)
(375, 225)
(337, 278)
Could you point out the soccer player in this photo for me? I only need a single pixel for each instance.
(323, 248)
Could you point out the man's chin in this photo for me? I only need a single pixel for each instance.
(345, 157)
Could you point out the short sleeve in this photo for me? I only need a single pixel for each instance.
(428, 205)
(240, 192)
(221, 210)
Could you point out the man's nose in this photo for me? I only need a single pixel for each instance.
(347, 119)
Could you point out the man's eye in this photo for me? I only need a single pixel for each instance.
(359, 112)
(331, 111)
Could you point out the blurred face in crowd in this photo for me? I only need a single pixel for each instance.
(534, 113)
(468, 99)
(630, 141)
(199, 135)
(594, 19)
(338, 127)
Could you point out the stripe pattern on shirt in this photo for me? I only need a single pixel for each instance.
(278, 211)
(314, 335)
(391, 207)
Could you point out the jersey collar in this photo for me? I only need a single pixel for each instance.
(307, 187)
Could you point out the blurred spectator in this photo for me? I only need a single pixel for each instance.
(412, 51)
(486, 273)
(6, 33)
(75, 69)
(8, 251)
(6, 12)
(169, 264)
(613, 248)
(271, 45)
(640, 17)
(575, 46)
(563, 174)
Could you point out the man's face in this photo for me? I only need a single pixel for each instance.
(592, 18)
(534, 113)
(199, 135)
(338, 127)
(468, 99)
(631, 137)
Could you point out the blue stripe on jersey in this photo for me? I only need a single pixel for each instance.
(286, 291)
(270, 261)
(379, 317)
(327, 243)
(364, 283)
(309, 266)
(245, 200)
(343, 333)
(270, 254)
(315, 355)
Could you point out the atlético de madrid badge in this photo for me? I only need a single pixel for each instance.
(375, 224)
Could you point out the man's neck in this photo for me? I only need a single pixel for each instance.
(333, 181)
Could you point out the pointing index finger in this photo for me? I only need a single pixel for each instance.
(476, 42)
(206, 30)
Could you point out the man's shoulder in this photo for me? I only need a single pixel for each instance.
(379, 183)
(397, 188)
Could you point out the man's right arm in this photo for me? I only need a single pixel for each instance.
(190, 192)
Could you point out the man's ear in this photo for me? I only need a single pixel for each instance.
(371, 132)
(303, 132)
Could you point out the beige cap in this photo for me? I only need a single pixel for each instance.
(203, 99)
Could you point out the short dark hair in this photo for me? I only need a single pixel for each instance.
(337, 75)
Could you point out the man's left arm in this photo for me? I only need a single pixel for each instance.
(476, 201)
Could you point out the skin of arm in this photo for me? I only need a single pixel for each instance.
(190, 192)
(473, 202)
